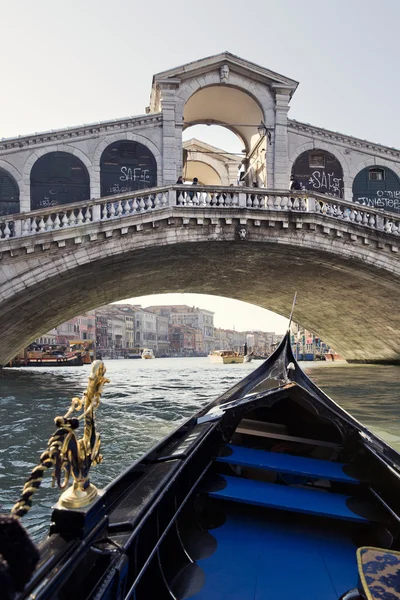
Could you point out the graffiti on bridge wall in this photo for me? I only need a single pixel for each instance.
(385, 199)
(319, 171)
(326, 183)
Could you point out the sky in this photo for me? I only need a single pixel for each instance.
(82, 61)
(228, 313)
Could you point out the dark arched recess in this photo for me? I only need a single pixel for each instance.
(319, 171)
(58, 178)
(9, 194)
(126, 166)
(379, 187)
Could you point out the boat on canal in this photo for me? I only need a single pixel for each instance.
(147, 353)
(226, 357)
(49, 356)
(134, 353)
(270, 491)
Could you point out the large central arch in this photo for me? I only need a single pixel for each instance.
(350, 302)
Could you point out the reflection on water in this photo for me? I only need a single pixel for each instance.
(144, 401)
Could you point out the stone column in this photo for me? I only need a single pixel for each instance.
(281, 146)
(170, 141)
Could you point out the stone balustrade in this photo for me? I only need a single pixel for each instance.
(204, 197)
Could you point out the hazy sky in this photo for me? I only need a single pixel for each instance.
(229, 313)
(81, 61)
(66, 63)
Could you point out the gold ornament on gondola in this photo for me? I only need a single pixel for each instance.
(68, 455)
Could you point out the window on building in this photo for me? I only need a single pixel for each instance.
(316, 160)
(376, 174)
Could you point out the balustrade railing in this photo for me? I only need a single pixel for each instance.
(204, 197)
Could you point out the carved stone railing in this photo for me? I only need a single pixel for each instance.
(203, 197)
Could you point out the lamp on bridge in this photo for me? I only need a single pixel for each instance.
(264, 131)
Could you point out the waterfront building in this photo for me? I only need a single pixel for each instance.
(101, 331)
(182, 339)
(307, 345)
(198, 318)
(229, 339)
(81, 327)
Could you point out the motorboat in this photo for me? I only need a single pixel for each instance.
(270, 491)
(134, 353)
(148, 353)
(226, 357)
(47, 357)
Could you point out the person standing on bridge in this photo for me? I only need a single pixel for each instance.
(294, 183)
(180, 180)
(194, 182)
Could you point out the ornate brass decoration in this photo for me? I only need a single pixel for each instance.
(67, 455)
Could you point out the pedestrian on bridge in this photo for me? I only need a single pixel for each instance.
(294, 183)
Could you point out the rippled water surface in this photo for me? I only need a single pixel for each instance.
(144, 401)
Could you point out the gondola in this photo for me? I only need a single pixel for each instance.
(272, 491)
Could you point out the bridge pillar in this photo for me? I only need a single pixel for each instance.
(171, 142)
(281, 156)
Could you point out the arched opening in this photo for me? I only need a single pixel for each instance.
(9, 194)
(379, 187)
(205, 174)
(58, 178)
(126, 166)
(213, 154)
(237, 111)
(319, 171)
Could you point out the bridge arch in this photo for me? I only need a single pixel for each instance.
(373, 162)
(377, 186)
(206, 172)
(319, 170)
(58, 178)
(320, 145)
(116, 263)
(38, 153)
(112, 139)
(10, 181)
(236, 103)
(126, 166)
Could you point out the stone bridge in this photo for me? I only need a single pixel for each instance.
(255, 245)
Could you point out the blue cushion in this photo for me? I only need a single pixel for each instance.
(379, 572)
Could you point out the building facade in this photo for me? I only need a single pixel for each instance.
(197, 318)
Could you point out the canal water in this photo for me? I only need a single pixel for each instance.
(143, 402)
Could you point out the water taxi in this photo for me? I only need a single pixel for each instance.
(226, 357)
(134, 353)
(47, 356)
(148, 353)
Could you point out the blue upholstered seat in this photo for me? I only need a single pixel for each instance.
(282, 497)
(286, 463)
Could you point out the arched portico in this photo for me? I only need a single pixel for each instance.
(205, 173)
(58, 178)
(320, 145)
(112, 139)
(226, 90)
(9, 192)
(40, 152)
